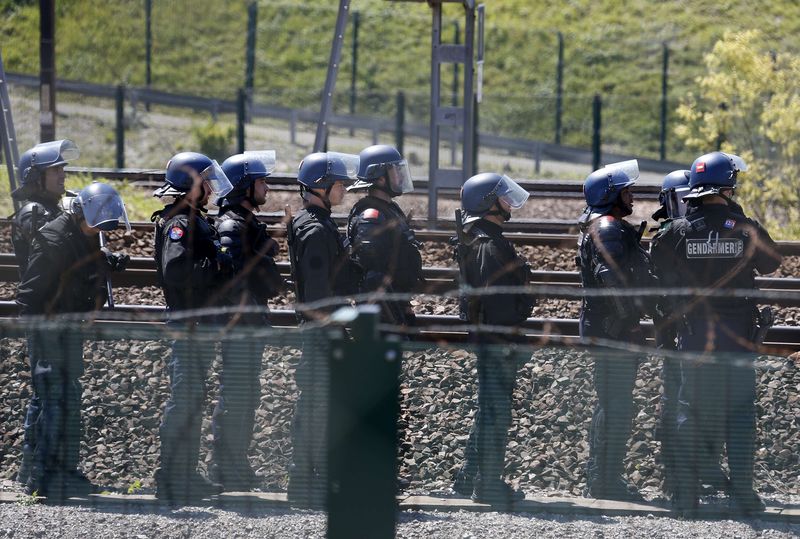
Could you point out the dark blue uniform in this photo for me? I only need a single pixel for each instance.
(33, 214)
(65, 274)
(611, 256)
(490, 260)
(255, 278)
(322, 270)
(717, 247)
(186, 247)
(385, 248)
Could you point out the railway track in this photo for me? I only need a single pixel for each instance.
(551, 233)
(442, 329)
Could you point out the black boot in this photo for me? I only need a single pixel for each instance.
(182, 489)
(306, 489)
(464, 483)
(58, 486)
(746, 504)
(238, 477)
(496, 493)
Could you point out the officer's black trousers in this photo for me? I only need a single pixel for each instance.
(309, 426)
(717, 402)
(614, 378)
(240, 393)
(57, 364)
(183, 413)
(486, 447)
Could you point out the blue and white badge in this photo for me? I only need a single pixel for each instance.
(175, 233)
(729, 223)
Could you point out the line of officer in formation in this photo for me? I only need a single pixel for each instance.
(63, 270)
(704, 241)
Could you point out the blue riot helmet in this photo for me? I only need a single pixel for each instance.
(674, 187)
(321, 170)
(100, 206)
(714, 171)
(185, 168)
(481, 193)
(242, 171)
(603, 186)
(380, 161)
(36, 160)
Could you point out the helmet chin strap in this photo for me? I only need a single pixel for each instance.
(506, 215)
(326, 200)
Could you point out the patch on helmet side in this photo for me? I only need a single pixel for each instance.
(701, 167)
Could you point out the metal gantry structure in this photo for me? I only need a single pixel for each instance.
(458, 118)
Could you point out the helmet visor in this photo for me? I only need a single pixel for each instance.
(629, 168)
(267, 157)
(400, 177)
(105, 211)
(511, 193)
(57, 152)
(344, 165)
(217, 179)
(738, 162)
(674, 203)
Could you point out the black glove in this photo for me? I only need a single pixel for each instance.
(114, 261)
(224, 262)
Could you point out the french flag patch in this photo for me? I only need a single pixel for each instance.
(701, 167)
(729, 223)
(371, 213)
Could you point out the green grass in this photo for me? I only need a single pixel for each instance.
(611, 47)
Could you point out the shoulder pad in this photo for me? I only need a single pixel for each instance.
(228, 225)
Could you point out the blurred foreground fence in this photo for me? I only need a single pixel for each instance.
(411, 401)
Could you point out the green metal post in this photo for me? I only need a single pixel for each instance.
(354, 66)
(241, 105)
(120, 99)
(400, 122)
(362, 431)
(559, 86)
(664, 80)
(597, 106)
(250, 52)
(148, 45)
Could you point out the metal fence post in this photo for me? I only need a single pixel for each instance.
(47, 70)
(475, 135)
(354, 67)
(597, 105)
(400, 122)
(559, 86)
(148, 46)
(120, 99)
(250, 52)
(362, 431)
(241, 104)
(664, 81)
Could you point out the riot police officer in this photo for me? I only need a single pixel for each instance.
(487, 259)
(191, 266)
(66, 273)
(379, 235)
(41, 178)
(255, 279)
(717, 247)
(672, 206)
(321, 270)
(610, 256)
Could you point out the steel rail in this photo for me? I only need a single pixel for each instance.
(780, 340)
(141, 272)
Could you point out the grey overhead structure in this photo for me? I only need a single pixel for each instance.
(459, 118)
